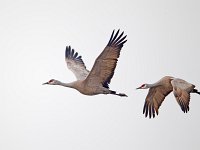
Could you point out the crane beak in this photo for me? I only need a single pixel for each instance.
(45, 83)
(138, 88)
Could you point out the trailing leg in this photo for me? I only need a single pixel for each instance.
(195, 91)
(119, 94)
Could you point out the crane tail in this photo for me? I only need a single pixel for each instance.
(118, 94)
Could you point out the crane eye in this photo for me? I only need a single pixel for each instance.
(50, 80)
(143, 85)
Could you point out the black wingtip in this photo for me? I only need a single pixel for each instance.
(144, 107)
(149, 110)
(67, 51)
(70, 53)
(115, 40)
(111, 37)
(184, 107)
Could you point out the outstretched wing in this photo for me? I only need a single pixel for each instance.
(154, 100)
(105, 64)
(181, 90)
(75, 64)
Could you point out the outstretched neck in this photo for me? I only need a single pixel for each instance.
(70, 85)
(153, 85)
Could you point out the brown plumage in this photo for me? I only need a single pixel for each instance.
(159, 90)
(104, 66)
(98, 79)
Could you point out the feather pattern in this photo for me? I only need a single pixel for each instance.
(75, 63)
(182, 90)
(154, 99)
(105, 64)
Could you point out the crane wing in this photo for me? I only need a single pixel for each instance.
(154, 99)
(181, 90)
(75, 64)
(105, 64)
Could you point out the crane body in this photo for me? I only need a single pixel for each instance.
(98, 79)
(159, 90)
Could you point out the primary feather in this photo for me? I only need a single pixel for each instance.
(182, 90)
(105, 64)
(75, 64)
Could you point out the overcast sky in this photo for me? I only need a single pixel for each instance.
(163, 39)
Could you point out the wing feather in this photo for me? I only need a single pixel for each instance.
(181, 90)
(154, 99)
(75, 64)
(105, 64)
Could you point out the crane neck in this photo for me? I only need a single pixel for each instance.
(153, 85)
(70, 85)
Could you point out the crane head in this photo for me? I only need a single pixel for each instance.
(51, 82)
(143, 86)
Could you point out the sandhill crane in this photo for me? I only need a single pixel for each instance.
(159, 90)
(98, 79)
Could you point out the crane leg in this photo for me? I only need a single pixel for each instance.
(195, 91)
(119, 94)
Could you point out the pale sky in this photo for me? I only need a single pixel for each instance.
(163, 39)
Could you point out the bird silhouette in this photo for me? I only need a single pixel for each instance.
(98, 79)
(159, 90)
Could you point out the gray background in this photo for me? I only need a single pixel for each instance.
(163, 39)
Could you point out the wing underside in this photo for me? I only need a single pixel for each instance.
(75, 64)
